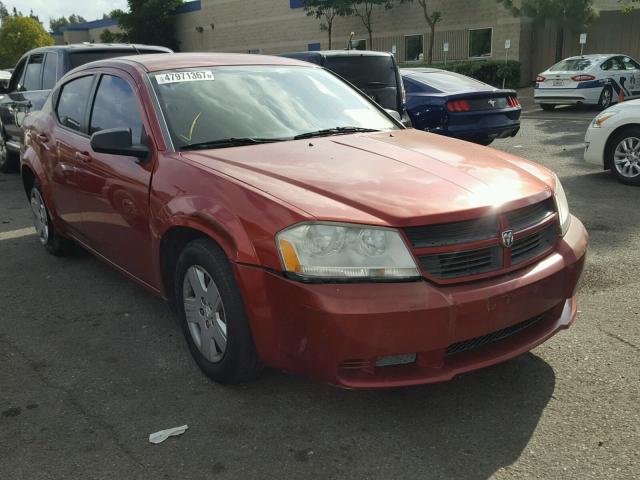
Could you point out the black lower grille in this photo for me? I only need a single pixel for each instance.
(492, 337)
(462, 264)
(534, 245)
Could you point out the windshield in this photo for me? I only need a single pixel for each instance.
(448, 82)
(364, 71)
(208, 105)
(572, 65)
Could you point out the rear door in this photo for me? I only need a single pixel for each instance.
(68, 137)
(113, 190)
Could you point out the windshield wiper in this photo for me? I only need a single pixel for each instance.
(333, 131)
(230, 142)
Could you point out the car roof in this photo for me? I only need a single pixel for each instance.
(159, 61)
(92, 47)
(409, 71)
(341, 53)
(596, 56)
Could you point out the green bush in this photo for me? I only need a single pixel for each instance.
(487, 71)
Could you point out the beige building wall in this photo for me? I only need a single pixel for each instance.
(271, 26)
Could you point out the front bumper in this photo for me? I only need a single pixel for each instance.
(595, 143)
(335, 333)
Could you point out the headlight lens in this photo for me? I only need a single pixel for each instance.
(345, 252)
(563, 208)
(602, 118)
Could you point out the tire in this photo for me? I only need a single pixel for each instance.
(548, 106)
(623, 156)
(212, 314)
(46, 232)
(9, 161)
(606, 98)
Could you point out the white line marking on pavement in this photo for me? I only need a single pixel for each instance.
(23, 232)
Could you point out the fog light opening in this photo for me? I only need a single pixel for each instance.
(394, 360)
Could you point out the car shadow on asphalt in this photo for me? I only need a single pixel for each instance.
(464, 429)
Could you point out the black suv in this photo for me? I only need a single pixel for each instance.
(375, 73)
(33, 78)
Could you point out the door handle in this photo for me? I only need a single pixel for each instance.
(83, 157)
(42, 137)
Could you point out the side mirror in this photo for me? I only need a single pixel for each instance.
(394, 114)
(117, 141)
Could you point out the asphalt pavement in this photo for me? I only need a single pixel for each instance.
(91, 364)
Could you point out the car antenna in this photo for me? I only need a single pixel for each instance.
(135, 48)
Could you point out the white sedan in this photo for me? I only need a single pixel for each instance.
(589, 80)
(613, 141)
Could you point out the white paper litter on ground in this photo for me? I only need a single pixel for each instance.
(162, 435)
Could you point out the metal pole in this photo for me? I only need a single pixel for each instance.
(506, 62)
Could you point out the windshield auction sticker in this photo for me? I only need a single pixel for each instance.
(179, 77)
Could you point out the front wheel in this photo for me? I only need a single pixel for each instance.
(212, 314)
(623, 155)
(46, 232)
(486, 141)
(606, 97)
(547, 106)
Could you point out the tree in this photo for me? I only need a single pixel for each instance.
(57, 24)
(363, 9)
(149, 21)
(107, 36)
(4, 13)
(326, 11)
(19, 35)
(564, 15)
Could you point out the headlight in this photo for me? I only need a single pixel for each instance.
(563, 208)
(602, 118)
(339, 251)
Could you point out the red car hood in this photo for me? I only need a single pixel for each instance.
(398, 178)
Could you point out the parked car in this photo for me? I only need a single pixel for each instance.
(451, 104)
(613, 141)
(290, 220)
(35, 75)
(375, 73)
(588, 80)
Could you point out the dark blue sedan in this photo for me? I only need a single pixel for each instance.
(451, 104)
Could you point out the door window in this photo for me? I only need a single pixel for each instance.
(16, 78)
(33, 73)
(50, 71)
(116, 106)
(72, 102)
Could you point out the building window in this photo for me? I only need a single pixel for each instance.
(296, 4)
(480, 41)
(313, 47)
(254, 51)
(413, 48)
(358, 45)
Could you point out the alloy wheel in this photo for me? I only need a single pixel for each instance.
(205, 313)
(626, 157)
(607, 95)
(40, 218)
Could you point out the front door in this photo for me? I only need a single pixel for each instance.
(113, 190)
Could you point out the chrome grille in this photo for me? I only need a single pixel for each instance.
(462, 264)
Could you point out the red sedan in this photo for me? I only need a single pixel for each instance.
(290, 221)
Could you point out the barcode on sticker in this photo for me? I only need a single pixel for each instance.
(177, 77)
